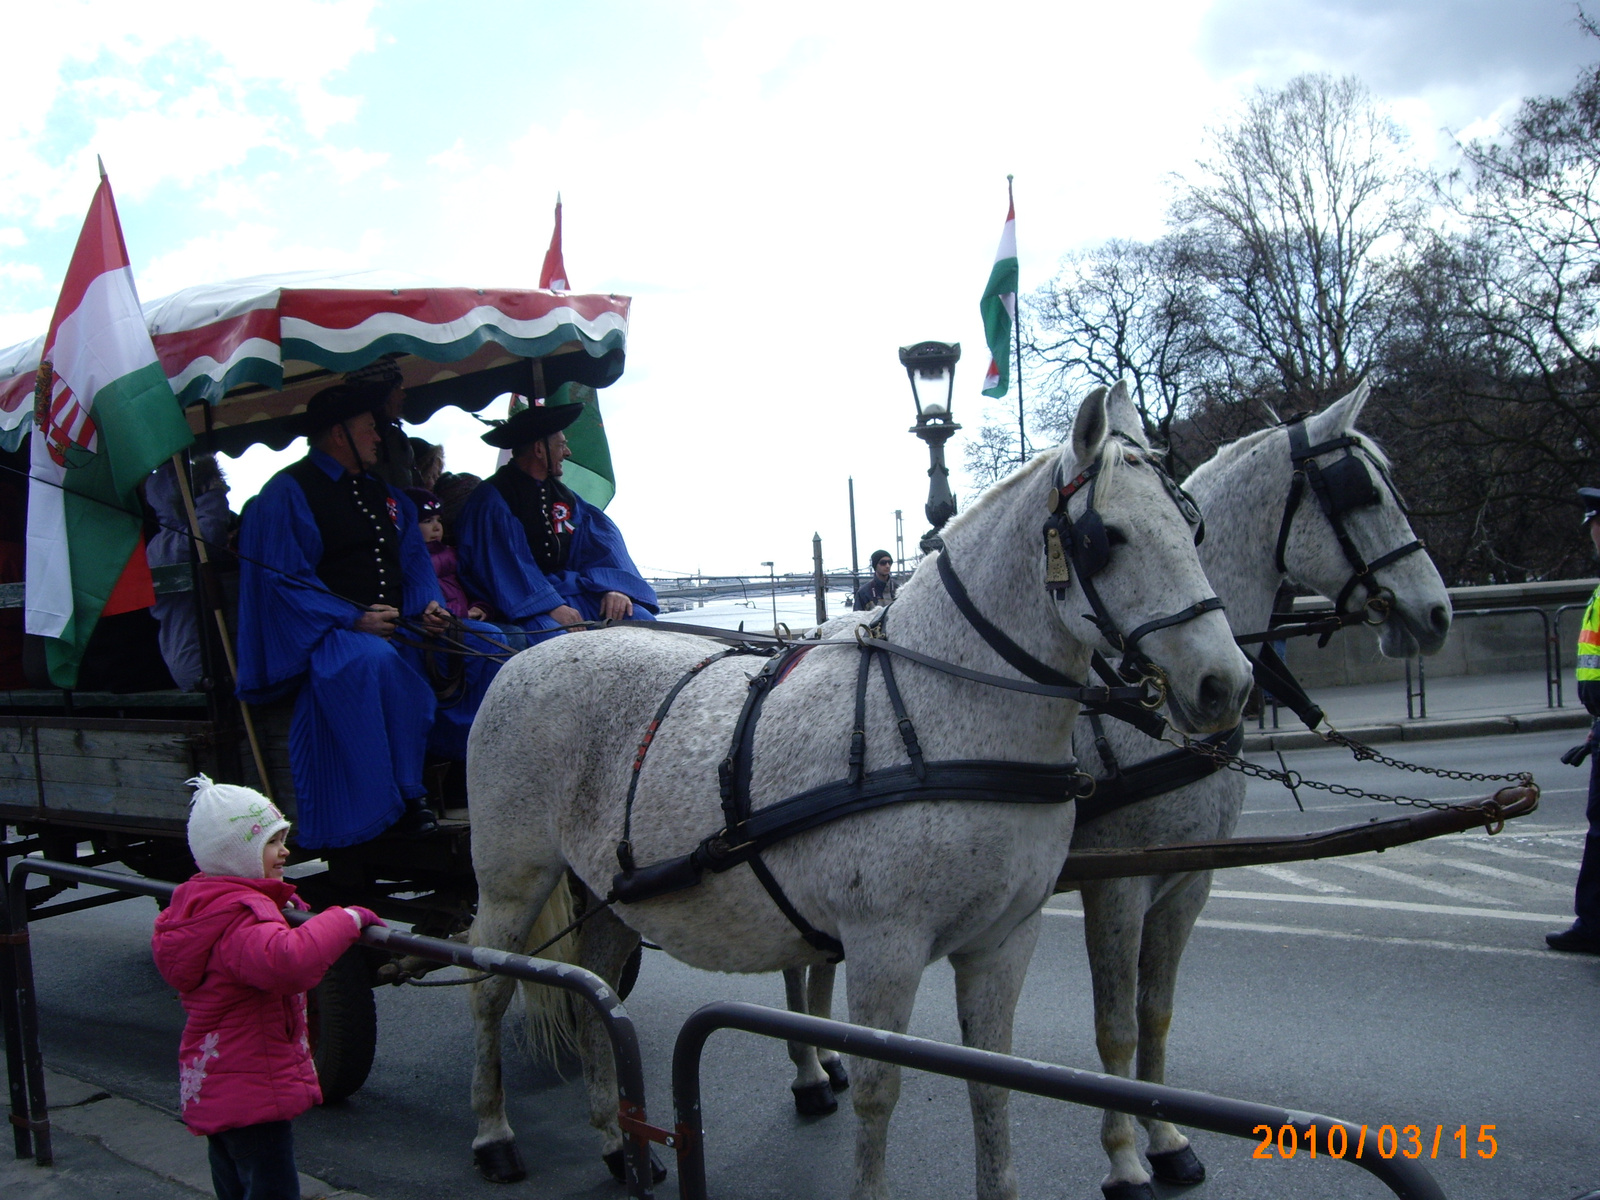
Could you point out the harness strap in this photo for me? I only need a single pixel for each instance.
(992, 635)
(908, 731)
(858, 734)
(1274, 676)
(625, 846)
(1157, 776)
(1198, 609)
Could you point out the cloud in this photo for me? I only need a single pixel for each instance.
(1469, 59)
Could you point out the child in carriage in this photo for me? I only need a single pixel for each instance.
(244, 1064)
(430, 522)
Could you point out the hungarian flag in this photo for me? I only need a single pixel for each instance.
(999, 305)
(553, 275)
(105, 417)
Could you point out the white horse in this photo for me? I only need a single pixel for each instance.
(899, 886)
(1136, 928)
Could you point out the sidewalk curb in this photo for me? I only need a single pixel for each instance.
(1424, 730)
(145, 1137)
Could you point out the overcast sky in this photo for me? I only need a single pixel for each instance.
(788, 192)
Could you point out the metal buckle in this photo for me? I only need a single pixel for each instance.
(1153, 678)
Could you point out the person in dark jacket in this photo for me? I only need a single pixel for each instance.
(881, 588)
(1584, 934)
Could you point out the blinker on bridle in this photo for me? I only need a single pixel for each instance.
(1342, 487)
(1085, 544)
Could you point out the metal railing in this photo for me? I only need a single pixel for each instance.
(1236, 1118)
(1556, 638)
(1552, 656)
(25, 1064)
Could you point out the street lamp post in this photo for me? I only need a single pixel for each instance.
(931, 367)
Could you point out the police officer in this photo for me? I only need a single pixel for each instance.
(1584, 935)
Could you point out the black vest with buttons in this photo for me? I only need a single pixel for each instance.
(360, 540)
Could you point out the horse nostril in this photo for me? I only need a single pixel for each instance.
(1439, 618)
(1214, 694)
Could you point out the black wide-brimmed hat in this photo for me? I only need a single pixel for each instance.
(1590, 498)
(533, 423)
(332, 405)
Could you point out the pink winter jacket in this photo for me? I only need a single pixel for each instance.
(242, 972)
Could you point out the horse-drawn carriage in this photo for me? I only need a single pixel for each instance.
(962, 782)
(97, 777)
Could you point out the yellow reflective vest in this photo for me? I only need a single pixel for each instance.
(1589, 655)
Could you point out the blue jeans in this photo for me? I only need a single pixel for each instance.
(255, 1163)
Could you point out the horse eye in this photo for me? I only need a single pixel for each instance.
(1115, 536)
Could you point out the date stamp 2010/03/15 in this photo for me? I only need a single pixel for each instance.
(1337, 1141)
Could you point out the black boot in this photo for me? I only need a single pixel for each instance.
(418, 821)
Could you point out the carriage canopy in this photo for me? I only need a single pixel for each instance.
(243, 357)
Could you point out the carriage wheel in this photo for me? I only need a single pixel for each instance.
(342, 1021)
(630, 973)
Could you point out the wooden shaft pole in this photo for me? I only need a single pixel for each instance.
(222, 624)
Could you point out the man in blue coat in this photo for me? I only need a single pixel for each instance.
(542, 555)
(331, 561)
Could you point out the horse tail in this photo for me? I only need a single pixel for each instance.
(551, 1014)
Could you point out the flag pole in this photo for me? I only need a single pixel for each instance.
(1016, 333)
(222, 622)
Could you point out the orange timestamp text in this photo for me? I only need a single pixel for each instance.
(1337, 1141)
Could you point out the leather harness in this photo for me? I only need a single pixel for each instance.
(747, 831)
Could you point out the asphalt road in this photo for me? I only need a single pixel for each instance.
(1408, 988)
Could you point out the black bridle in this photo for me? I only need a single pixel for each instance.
(1342, 487)
(1084, 544)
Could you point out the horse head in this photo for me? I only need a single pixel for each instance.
(1350, 539)
(1131, 583)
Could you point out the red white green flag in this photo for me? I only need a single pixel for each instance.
(105, 417)
(553, 275)
(999, 305)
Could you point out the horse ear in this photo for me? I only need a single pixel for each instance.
(1340, 416)
(1090, 427)
(1123, 416)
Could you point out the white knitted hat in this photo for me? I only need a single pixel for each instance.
(229, 826)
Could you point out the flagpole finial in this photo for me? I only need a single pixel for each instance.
(101, 163)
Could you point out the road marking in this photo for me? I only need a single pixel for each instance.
(1532, 881)
(1443, 910)
(1427, 885)
(1510, 852)
(1285, 875)
(1340, 935)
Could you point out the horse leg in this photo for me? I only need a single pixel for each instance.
(604, 947)
(1113, 912)
(506, 913)
(988, 983)
(813, 1095)
(1166, 932)
(881, 986)
(819, 1003)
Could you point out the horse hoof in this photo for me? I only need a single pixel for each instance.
(614, 1164)
(837, 1078)
(1123, 1190)
(815, 1099)
(1182, 1167)
(499, 1162)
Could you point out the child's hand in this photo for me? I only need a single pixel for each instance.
(364, 916)
(476, 614)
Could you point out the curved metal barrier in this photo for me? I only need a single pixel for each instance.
(29, 1114)
(1237, 1118)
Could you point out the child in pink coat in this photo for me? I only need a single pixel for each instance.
(244, 1064)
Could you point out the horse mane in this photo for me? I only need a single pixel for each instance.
(1229, 451)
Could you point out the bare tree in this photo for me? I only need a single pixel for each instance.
(1295, 220)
